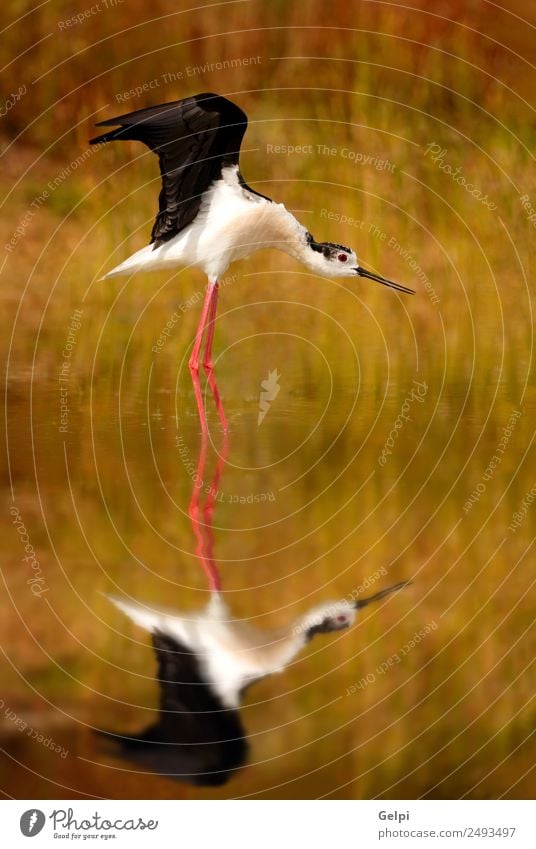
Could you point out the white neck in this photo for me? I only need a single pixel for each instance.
(281, 230)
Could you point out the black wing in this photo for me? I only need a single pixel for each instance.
(196, 738)
(193, 138)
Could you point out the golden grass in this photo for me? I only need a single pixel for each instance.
(104, 519)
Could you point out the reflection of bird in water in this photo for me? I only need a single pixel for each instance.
(206, 661)
(232, 654)
(208, 216)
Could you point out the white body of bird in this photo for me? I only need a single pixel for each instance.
(206, 660)
(208, 216)
(232, 653)
(232, 223)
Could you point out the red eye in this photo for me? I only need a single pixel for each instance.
(342, 257)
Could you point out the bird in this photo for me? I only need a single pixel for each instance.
(208, 216)
(206, 661)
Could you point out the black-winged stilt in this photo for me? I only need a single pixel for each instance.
(207, 659)
(208, 216)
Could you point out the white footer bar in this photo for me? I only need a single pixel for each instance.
(269, 824)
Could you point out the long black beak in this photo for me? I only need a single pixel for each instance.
(371, 276)
(377, 596)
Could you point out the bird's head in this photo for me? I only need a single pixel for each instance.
(333, 616)
(332, 260)
(337, 615)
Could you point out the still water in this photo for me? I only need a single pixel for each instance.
(327, 488)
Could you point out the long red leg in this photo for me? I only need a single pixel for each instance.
(207, 323)
(199, 401)
(208, 509)
(208, 365)
(203, 532)
(194, 359)
(217, 400)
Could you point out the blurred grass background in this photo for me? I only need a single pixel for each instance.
(378, 80)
